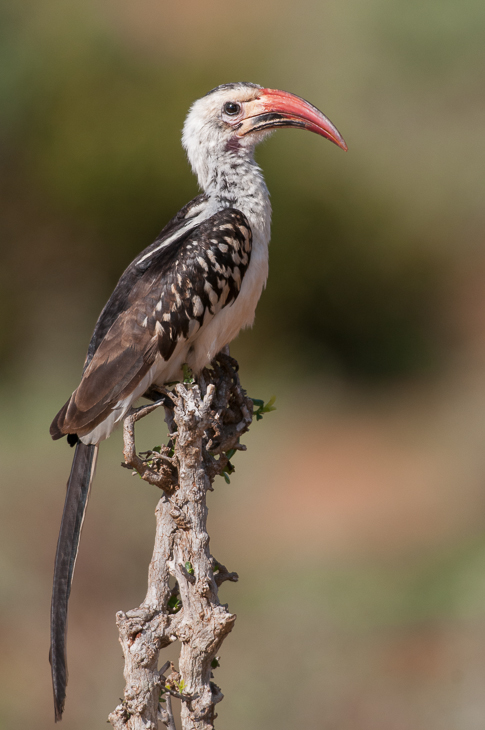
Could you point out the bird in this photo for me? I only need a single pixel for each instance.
(180, 302)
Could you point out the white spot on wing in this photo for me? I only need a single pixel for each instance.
(213, 298)
(236, 274)
(196, 215)
(196, 209)
(198, 306)
(167, 241)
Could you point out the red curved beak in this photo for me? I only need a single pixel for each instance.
(274, 108)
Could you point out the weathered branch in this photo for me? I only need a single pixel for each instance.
(206, 420)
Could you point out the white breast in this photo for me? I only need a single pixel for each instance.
(227, 323)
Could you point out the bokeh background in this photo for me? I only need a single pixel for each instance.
(357, 518)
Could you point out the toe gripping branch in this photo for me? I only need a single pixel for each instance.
(228, 413)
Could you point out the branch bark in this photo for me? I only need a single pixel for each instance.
(206, 420)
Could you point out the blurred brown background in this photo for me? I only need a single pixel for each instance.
(357, 518)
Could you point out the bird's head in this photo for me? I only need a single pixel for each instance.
(233, 118)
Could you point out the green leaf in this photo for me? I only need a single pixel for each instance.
(262, 407)
(189, 568)
(270, 405)
(174, 604)
(215, 663)
(188, 375)
(224, 474)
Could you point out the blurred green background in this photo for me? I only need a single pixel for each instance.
(357, 518)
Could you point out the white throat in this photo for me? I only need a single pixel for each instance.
(234, 180)
(237, 181)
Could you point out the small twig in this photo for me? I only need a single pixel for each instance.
(223, 574)
(165, 477)
(167, 715)
(188, 576)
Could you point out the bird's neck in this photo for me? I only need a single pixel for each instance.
(236, 181)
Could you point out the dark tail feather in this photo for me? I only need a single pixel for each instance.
(77, 496)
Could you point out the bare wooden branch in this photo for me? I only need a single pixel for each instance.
(206, 422)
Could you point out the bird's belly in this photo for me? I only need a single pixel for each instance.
(228, 322)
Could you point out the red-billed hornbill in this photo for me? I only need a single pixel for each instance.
(181, 300)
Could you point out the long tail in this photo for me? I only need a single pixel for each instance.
(77, 496)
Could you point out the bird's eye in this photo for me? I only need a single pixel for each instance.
(231, 108)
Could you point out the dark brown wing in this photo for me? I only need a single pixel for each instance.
(162, 297)
(119, 300)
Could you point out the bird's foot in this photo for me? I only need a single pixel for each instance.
(224, 359)
(160, 395)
